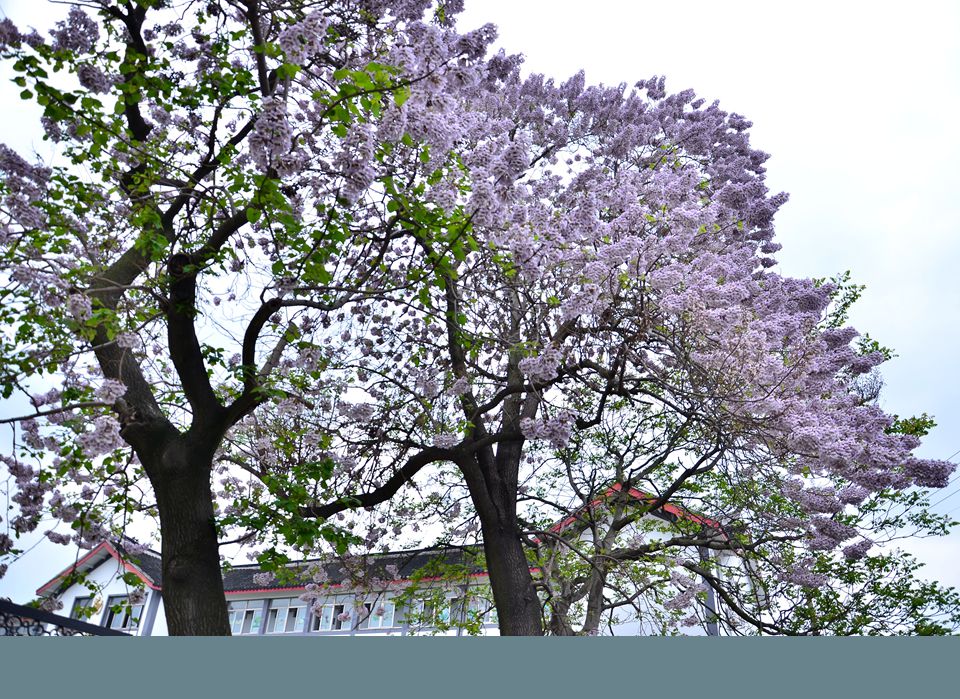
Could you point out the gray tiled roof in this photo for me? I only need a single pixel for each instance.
(381, 566)
(394, 565)
(146, 560)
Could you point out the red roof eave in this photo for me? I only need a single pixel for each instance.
(675, 510)
(110, 549)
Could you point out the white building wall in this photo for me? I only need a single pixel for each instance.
(160, 622)
(107, 578)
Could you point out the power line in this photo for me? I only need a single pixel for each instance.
(945, 498)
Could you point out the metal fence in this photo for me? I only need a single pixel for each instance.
(18, 620)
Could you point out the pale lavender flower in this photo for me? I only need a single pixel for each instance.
(94, 79)
(103, 439)
(264, 579)
(78, 33)
(542, 368)
(9, 34)
(111, 391)
(302, 41)
(272, 134)
(79, 306)
(856, 551)
(58, 538)
(445, 440)
(127, 340)
(556, 430)
(929, 473)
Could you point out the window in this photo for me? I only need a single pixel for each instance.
(341, 617)
(121, 615)
(434, 612)
(286, 615)
(82, 608)
(246, 617)
(482, 610)
(333, 617)
(381, 615)
(451, 611)
(324, 621)
(416, 612)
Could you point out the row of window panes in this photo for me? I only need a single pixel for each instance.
(246, 616)
(477, 609)
(286, 616)
(290, 615)
(338, 617)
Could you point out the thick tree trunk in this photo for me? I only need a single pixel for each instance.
(518, 607)
(193, 597)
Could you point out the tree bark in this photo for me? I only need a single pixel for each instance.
(559, 618)
(193, 595)
(518, 606)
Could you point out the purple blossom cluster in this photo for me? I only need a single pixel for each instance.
(29, 495)
(855, 552)
(272, 135)
(543, 367)
(357, 412)
(264, 579)
(459, 387)
(103, 438)
(687, 587)
(929, 473)
(110, 391)
(78, 33)
(23, 187)
(9, 34)
(833, 530)
(853, 494)
(94, 79)
(80, 306)
(555, 430)
(446, 440)
(802, 574)
(127, 340)
(57, 538)
(303, 41)
(355, 162)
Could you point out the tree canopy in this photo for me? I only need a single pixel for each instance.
(305, 273)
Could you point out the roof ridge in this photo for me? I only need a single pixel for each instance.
(382, 554)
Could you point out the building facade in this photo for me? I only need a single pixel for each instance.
(421, 592)
(434, 591)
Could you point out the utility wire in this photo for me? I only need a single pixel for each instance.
(946, 497)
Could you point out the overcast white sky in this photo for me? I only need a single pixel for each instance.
(857, 103)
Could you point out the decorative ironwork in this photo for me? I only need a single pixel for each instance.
(18, 620)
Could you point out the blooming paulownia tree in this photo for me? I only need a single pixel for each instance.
(217, 193)
(726, 555)
(425, 262)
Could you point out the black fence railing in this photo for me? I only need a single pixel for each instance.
(18, 620)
